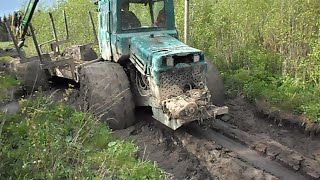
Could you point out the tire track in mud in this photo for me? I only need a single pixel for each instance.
(220, 162)
(195, 152)
(159, 144)
(284, 143)
(271, 149)
(243, 153)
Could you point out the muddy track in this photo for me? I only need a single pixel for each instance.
(244, 153)
(285, 144)
(208, 152)
(243, 146)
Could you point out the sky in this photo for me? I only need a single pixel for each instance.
(9, 6)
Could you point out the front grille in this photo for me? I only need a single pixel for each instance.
(177, 81)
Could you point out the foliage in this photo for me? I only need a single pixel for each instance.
(6, 45)
(6, 85)
(6, 58)
(52, 141)
(290, 28)
(286, 92)
(263, 48)
(80, 28)
(4, 36)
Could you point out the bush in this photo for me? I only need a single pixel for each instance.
(264, 49)
(7, 83)
(52, 141)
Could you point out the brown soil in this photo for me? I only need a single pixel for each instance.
(158, 143)
(287, 118)
(244, 116)
(276, 140)
(184, 156)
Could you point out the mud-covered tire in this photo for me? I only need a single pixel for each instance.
(30, 74)
(105, 92)
(215, 83)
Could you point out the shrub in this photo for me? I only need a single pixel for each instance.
(52, 141)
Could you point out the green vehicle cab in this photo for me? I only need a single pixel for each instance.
(164, 73)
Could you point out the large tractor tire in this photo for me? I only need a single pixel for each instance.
(215, 84)
(30, 74)
(105, 90)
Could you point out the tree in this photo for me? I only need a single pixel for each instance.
(3, 30)
(4, 18)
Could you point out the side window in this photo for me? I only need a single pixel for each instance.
(129, 15)
(160, 14)
(142, 12)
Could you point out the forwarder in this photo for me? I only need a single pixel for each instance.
(144, 64)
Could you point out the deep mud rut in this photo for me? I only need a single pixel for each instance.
(245, 117)
(286, 144)
(241, 146)
(183, 156)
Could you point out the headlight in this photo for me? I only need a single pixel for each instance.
(196, 58)
(170, 61)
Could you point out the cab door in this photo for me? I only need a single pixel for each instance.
(104, 29)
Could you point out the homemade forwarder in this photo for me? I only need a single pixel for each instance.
(142, 64)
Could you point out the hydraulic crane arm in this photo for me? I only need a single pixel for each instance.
(25, 22)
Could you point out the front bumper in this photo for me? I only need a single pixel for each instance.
(193, 105)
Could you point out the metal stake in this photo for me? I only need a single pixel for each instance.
(186, 22)
(93, 27)
(21, 55)
(56, 50)
(36, 43)
(66, 25)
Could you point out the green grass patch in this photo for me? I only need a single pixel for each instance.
(6, 84)
(50, 140)
(262, 79)
(6, 58)
(6, 45)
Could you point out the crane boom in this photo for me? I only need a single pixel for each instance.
(24, 24)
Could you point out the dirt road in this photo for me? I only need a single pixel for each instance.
(241, 146)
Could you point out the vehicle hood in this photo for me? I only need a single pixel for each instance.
(151, 49)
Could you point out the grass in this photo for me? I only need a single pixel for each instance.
(285, 92)
(50, 140)
(6, 84)
(6, 58)
(5, 45)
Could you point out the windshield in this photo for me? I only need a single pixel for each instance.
(143, 15)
